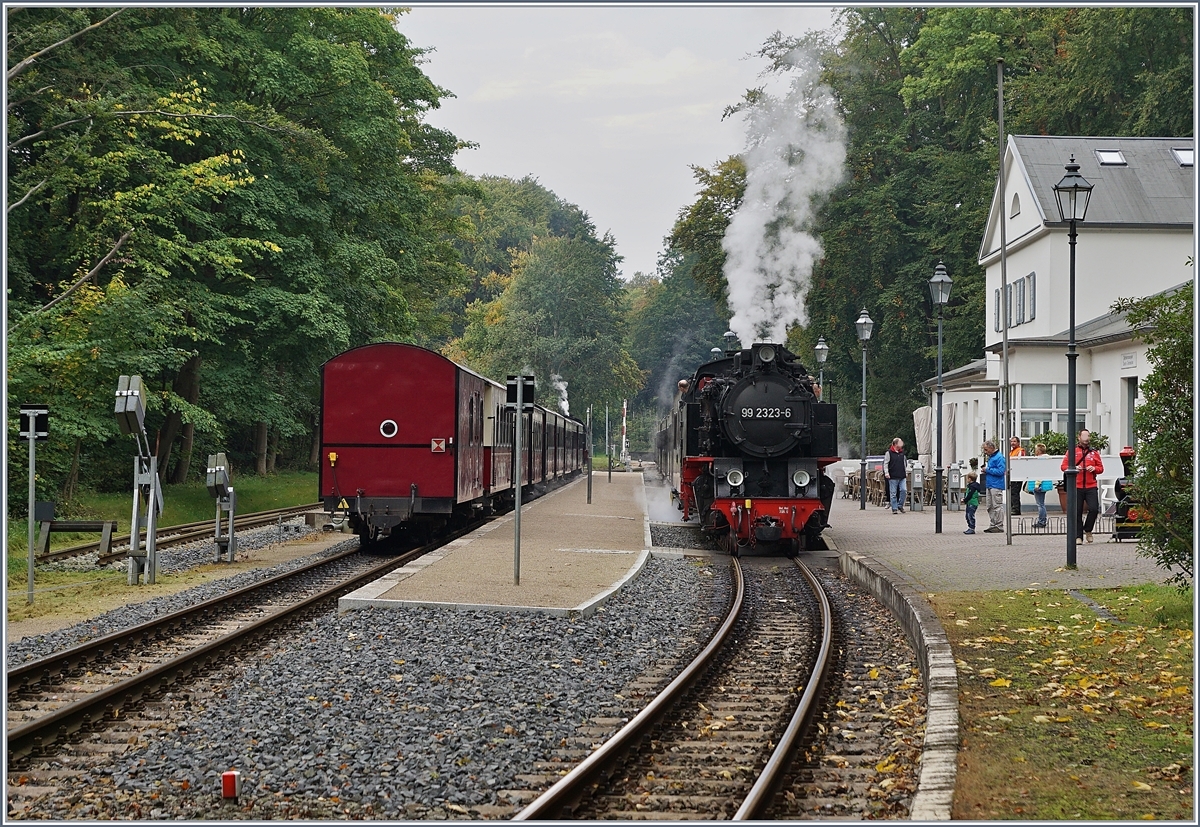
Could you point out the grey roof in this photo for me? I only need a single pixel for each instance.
(1151, 190)
(971, 376)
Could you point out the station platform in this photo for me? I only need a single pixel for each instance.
(574, 556)
(953, 561)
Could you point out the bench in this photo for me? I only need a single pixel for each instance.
(105, 527)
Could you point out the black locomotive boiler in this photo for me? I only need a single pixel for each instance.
(745, 449)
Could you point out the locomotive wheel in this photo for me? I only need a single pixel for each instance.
(794, 546)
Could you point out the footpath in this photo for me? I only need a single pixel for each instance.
(953, 561)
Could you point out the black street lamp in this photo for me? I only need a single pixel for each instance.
(1073, 193)
(864, 325)
(822, 350)
(939, 288)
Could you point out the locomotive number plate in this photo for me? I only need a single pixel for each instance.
(766, 413)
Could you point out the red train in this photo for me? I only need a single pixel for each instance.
(411, 440)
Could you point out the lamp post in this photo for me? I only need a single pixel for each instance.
(1072, 193)
(939, 289)
(822, 350)
(864, 325)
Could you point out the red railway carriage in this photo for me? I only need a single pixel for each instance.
(402, 432)
(408, 438)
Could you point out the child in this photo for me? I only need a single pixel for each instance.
(971, 497)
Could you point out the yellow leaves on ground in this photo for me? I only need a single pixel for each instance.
(1142, 787)
(1001, 682)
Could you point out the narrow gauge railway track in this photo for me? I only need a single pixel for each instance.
(51, 699)
(726, 728)
(167, 536)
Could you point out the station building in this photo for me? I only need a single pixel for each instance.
(1138, 240)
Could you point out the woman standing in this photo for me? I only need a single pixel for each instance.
(1039, 493)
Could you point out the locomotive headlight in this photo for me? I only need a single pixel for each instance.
(801, 478)
(766, 353)
(734, 477)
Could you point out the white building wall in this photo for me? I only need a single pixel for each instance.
(1108, 265)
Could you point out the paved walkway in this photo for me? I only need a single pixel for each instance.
(573, 556)
(953, 561)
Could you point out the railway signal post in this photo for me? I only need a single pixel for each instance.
(35, 426)
(130, 412)
(217, 479)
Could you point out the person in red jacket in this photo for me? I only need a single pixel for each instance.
(1087, 460)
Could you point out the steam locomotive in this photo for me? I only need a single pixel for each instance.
(745, 450)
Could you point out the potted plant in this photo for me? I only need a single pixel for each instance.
(1056, 444)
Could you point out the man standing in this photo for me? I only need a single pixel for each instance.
(993, 479)
(1014, 487)
(1087, 460)
(895, 471)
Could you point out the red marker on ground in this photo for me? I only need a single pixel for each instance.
(231, 784)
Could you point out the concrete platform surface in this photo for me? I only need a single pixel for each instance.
(953, 561)
(573, 556)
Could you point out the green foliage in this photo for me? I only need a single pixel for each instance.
(1056, 442)
(219, 200)
(547, 297)
(672, 328)
(1164, 475)
(701, 226)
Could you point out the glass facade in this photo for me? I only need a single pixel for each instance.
(1044, 408)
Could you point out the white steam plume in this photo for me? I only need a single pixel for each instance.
(560, 385)
(795, 154)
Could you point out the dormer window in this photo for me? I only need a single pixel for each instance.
(1110, 158)
(1016, 206)
(1185, 155)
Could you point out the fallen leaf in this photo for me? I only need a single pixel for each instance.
(1000, 682)
(1138, 785)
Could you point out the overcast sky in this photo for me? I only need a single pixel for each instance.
(606, 106)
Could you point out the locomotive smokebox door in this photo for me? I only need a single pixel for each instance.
(765, 414)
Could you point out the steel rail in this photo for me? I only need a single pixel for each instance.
(61, 663)
(758, 800)
(558, 801)
(193, 531)
(68, 719)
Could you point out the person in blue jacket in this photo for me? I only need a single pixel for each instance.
(993, 483)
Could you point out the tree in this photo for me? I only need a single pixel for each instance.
(700, 227)
(673, 330)
(219, 200)
(1164, 468)
(559, 317)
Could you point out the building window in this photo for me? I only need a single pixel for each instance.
(1185, 155)
(1008, 304)
(997, 305)
(1016, 206)
(1030, 282)
(1110, 157)
(1020, 302)
(1044, 408)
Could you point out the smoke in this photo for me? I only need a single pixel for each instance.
(560, 385)
(795, 152)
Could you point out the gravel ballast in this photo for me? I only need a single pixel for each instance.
(400, 713)
(170, 561)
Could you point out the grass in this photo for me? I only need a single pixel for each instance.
(1066, 716)
(187, 503)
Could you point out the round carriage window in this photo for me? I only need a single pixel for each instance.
(388, 428)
